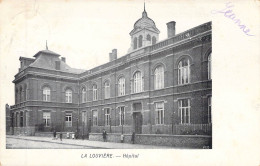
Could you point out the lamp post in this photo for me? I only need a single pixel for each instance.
(110, 130)
(77, 131)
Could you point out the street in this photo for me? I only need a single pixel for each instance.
(32, 142)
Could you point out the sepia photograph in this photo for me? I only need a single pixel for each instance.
(127, 81)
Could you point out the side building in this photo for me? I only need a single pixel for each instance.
(160, 87)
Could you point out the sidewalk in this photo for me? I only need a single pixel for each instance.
(89, 144)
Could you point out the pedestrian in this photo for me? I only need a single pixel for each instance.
(60, 136)
(133, 138)
(54, 134)
(122, 138)
(104, 135)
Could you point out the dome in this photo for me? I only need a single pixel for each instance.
(145, 21)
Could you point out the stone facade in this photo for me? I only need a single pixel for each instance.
(50, 95)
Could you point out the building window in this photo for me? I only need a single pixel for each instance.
(16, 96)
(46, 119)
(140, 41)
(107, 116)
(21, 119)
(107, 90)
(84, 118)
(25, 92)
(137, 82)
(159, 113)
(68, 120)
(21, 94)
(184, 71)
(135, 43)
(95, 117)
(148, 37)
(153, 40)
(46, 94)
(209, 66)
(95, 92)
(68, 95)
(83, 94)
(121, 86)
(184, 110)
(122, 115)
(209, 110)
(159, 77)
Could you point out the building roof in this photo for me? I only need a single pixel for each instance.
(46, 59)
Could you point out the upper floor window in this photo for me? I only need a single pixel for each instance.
(159, 113)
(21, 94)
(95, 92)
(137, 82)
(184, 71)
(135, 43)
(153, 40)
(140, 41)
(159, 77)
(46, 94)
(25, 92)
(121, 86)
(68, 95)
(209, 110)
(107, 90)
(209, 66)
(184, 110)
(83, 95)
(16, 95)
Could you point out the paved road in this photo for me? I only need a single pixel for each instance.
(32, 142)
(14, 143)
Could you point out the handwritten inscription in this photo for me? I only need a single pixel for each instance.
(228, 13)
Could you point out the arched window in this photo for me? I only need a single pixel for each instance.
(21, 94)
(25, 92)
(148, 37)
(184, 71)
(135, 43)
(121, 86)
(16, 95)
(140, 41)
(137, 82)
(107, 90)
(83, 95)
(68, 96)
(153, 40)
(95, 92)
(46, 94)
(209, 66)
(159, 77)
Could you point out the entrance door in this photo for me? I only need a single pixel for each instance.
(138, 118)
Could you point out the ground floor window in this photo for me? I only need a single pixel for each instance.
(95, 117)
(122, 115)
(84, 118)
(107, 116)
(46, 119)
(68, 120)
(209, 109)
(21, 119)
(184, 110)
(159, 113)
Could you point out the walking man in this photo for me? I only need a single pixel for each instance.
(54, 134)
(60, 136)
(133, 138)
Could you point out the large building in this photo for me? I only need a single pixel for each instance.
(161, 87)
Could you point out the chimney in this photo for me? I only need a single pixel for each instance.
(113, 55)
(171, 29)
(63, 59)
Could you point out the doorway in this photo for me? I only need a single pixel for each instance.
(137, 117)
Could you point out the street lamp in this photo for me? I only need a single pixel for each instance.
(172, 123)
(110, 124)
